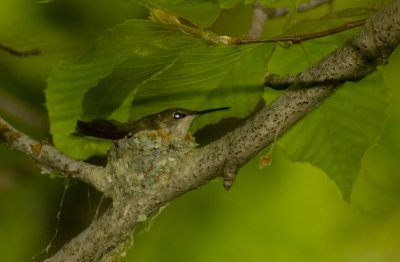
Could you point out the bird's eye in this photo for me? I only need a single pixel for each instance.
(178, 115)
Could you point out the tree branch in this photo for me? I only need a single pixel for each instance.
(50, 159)
(151, 169)
(356, 59)
(352, 62)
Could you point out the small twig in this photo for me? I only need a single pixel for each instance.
(259, 18)
(51, 160)
(20, 53)
(296, 39)
(301, 38)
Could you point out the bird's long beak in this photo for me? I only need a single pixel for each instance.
(212, 110)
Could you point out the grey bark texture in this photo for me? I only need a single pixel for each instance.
(150, 169)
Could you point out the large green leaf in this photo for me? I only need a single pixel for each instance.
(336, 135)
(206, 77)
(105, 98)
(68, 83)
(154, 67)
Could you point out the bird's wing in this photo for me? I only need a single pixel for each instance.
(101, 128)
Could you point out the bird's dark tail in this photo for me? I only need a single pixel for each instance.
(100, 128)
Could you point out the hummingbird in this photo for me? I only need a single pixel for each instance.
(175, 121)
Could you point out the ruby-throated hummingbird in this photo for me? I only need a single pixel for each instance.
(175, 121)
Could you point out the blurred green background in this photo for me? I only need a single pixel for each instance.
(286, 212)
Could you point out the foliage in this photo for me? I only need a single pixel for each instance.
(156, 67)
(336, 136)
(142, 67)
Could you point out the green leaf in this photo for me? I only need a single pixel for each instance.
(154, 67)
(336, 135)
(199, 12)
(68, 84)
(206, 77)
(119, 87)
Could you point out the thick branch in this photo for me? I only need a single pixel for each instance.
(50, 159)
(354, 60)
